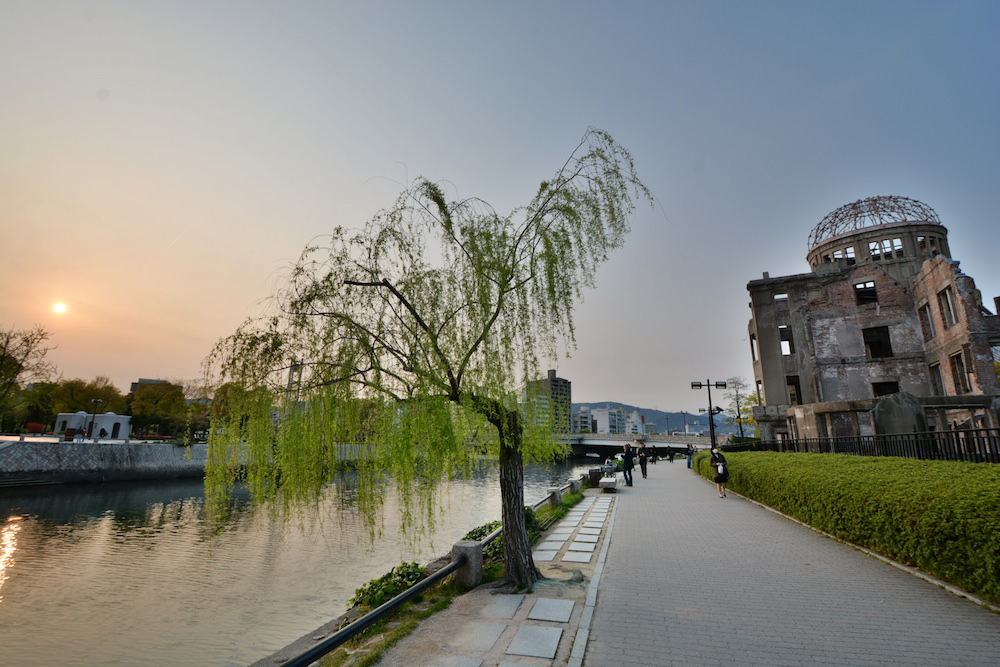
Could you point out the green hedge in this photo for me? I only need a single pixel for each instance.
(940, 516)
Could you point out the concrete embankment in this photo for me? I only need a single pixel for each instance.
(28, 463)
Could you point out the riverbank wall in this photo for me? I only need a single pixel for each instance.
(31, 463)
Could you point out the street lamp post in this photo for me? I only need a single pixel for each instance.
(95, 402)
(711, 410)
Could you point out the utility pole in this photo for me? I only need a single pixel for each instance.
(712, 411)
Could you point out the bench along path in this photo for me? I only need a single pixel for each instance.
(692, 579)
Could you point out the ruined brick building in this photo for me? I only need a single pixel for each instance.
(884, 335)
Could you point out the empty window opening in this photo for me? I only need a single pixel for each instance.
(946, 299)
(922, 245)
(897, 247)
(887, 248)
(753, 347)
(865, 292)
(937, 381)
(958, 374)
(873, 250)
(934, 245)
(841, 424)
(838, 255)
(827, 259)
(787, 344)
(926, 321)
(760, 393)
(995, 351)
(877, 342)
(781, 297)
(884, 388)
(794, 390)
(849, 254)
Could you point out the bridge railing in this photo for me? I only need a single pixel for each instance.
(461, 557)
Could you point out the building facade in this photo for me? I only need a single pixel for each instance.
(583, 421)
(608, 420)
(554, 396)
(884, 311)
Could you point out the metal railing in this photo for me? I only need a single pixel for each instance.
(332, 642)
(973, 445)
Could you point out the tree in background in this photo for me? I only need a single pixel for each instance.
(22, 362)
(158, 409)
(198, 404)
(740, 407)
(36, 404)
(410, 338)
(78, 394)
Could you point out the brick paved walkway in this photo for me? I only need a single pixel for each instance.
(692, 579)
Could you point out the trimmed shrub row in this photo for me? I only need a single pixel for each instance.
(940, 516)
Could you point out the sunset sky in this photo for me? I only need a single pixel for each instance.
(162, 164)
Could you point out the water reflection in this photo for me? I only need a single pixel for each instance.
(134, 573)
(8, 545)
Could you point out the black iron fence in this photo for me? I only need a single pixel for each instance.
(975, 445)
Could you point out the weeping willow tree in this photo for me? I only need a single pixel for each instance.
(402, 347)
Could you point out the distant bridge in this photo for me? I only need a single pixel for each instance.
(604, 444)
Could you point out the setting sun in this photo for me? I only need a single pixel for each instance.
(59, 308)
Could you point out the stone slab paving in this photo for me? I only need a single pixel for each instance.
(477, 637)
(459, 635)
(535, 640)
(692, 579)
(578, 557)
(502, 606)
(547, 609)
(551, 545)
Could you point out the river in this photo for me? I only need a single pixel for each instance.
(133, 574)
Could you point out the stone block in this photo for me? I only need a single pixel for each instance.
(470, 574)
(555, 495)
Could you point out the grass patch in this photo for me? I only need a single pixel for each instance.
(940, 516)
(368, 647)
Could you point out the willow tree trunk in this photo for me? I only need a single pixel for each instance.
(520, 567)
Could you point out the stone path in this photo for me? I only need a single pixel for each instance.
(481, 629)
(692, 579)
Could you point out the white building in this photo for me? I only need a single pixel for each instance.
(106, 425)
(609, 420)
(583, 421)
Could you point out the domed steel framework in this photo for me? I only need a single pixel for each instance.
(871, 212)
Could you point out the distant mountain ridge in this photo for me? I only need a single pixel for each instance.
(695, 421)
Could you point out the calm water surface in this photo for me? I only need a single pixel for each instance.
(131, 574)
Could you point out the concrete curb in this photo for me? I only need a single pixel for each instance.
(579, 651)
(919, 574)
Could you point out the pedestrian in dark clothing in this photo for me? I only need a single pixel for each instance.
(628, 462)
(690, 453)
(721, 471)
(642, 459)
(670, 454)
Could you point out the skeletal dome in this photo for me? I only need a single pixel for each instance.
(872, 212)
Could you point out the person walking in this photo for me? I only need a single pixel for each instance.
(721, 471)
(690, 453)
(670, 454)
(628, 462)
(642, 458)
